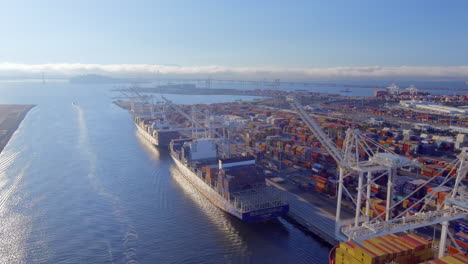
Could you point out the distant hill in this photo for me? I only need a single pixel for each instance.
(95, 79)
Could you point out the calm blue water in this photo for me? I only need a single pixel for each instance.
(78, 185)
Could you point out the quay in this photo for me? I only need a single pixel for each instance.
(312, 211)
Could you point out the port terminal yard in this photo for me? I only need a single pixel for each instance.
(295, 162)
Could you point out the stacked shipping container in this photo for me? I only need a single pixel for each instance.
(405, 249)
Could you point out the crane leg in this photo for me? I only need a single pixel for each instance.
(338, 201)
(443, 238)
(369, 178)
(389, 194)
(358, 204)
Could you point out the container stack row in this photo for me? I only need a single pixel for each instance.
(450, 259)
(385, 249)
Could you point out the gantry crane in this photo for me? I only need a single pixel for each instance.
(211, 132)
(133, 95)
(454, 207)
(412, 90)
(379, 162)
(393, 89)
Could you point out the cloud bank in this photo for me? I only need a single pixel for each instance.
(65, 70)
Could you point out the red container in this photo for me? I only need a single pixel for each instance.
(461, 243)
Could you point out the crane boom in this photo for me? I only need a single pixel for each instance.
(177, 108)
(188, 117)
(331, 148)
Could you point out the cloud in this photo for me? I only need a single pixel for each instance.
(64, 70)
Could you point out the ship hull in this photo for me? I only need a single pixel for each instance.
(223, 204)
(162, 138)
(147, 136)
(265, 214)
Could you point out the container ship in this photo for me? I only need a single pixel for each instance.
(157, 131)
(234, 185)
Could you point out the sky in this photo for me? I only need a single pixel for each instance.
(421, 38)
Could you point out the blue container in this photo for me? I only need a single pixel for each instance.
(461, 227)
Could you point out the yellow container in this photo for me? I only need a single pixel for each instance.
(348, 247)
(427, 243)
(385, 249)
(370, 254)
(375, 202)
(342, 257)
(406, 249)
(405, 203)
(453, 260)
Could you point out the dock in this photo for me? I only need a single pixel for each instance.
(316, 220)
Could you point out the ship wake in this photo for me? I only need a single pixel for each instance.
(130, 238)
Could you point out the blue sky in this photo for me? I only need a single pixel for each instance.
(285, 34)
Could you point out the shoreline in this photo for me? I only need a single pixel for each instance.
(11, 117)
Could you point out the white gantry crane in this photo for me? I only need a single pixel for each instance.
(394, 89)
(134, 96)
(365, 158)
(454, 207)
(196, 125)
(412, 90)
(207, 127)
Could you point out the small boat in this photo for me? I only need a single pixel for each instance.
(73, 103)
